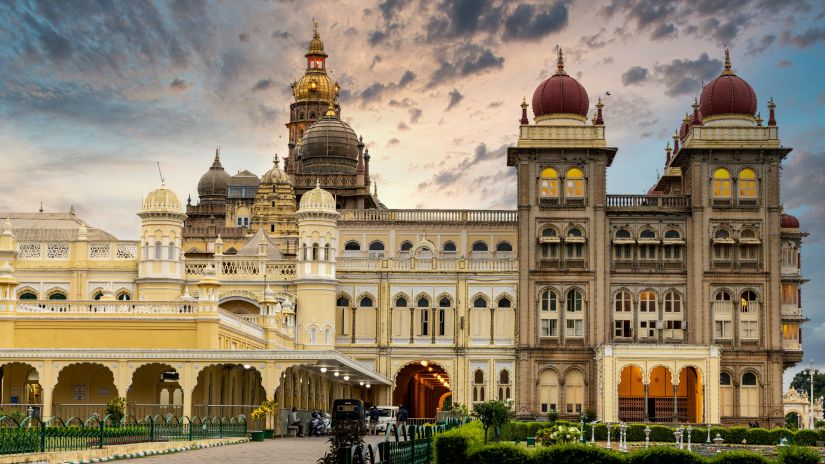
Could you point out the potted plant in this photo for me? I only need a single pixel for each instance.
(266, 411)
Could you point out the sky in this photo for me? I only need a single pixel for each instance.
(95, 93)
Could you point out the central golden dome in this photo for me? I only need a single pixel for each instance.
(314, 86)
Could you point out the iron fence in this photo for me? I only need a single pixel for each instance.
(411, 444)
(33, 435)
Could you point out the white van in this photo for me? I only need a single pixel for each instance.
(387, 415)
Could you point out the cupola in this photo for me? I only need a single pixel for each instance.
(560, 98)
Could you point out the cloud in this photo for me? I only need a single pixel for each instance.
(263, 84)
(390, 7)
(495, 104)
(464, 18)
(803, 182)
(393, 142)
(376, 90)
(530, 22)
(402, 126)
(448, 175)
(685, 77)
(649, 15)
(471, 59)
(408, 77)
(415, 115)
(179, 85)
(634, 75)
(784, 63)
(806, 39)
(757, 46)
(455, 99)
(597, 40)
(243, 37)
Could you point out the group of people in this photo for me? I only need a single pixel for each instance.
(316, 425)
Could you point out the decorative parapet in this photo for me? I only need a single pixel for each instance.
(61, 251)
(734, 137)
(649, 202)
(561, 136)
(439, 216)
(242, 268)
(424, 265)
(106, 307)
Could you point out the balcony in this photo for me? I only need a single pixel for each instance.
(242, 268)
(673, 203)
(438, 216)
(106, 307)
(355, 264)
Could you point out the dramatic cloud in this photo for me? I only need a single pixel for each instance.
(806, 39)
(450, 174)
(634, 75)
(408, 77)
(455, 99)
(263, 84)
(532, 22)
(803, 182)
(179, 85)
(469, 60)
(685, 77)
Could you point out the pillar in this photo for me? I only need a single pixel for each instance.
(647, 412)
(676, 402)
(188, 379)
(48, 380)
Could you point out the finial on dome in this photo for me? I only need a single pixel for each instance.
(697, 120)
(375, 187)
(759, 119)
(331, 109)
(772, 116)
(599, 120)
(315, 27)
(560, 63)
(317, 183)
(276, 160)
(216, 163)
(727, 70)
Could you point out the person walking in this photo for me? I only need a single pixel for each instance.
(402, 417)
(374, 414)
(295, 422)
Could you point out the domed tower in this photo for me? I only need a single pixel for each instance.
(212, 187)
(561, 99)
(312, 93)
(728, 100)
(274, 209)
(315, 276)
(161, 268)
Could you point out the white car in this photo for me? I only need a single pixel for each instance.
(386, 417)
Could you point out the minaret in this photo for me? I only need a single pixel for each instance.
(315, 279)
(161, 268)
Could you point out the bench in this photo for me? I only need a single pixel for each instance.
(292, 431)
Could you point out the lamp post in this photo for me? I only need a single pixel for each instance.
(689, 430)
(593, 432)
(582, 439)
(647, 436)
(678, 435)
(718, 441)
(608, 435)
(623, 438)
(708, 440)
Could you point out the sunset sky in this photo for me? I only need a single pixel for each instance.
(94, 93)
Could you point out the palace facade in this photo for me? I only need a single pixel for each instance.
(680, 305)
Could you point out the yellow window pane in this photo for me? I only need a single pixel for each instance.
(575, 173)
(721, 173)
(747, 174)
(549, 173)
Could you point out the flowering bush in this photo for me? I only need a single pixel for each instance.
(558, 434)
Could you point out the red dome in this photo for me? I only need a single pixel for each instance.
(786, 221)
(728, 94)
(560, 93)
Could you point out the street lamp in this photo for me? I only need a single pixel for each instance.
(811, 411)
(647, 436)
(623, 437)
(718, 441)
(689, 429)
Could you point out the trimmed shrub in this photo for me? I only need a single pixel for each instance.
(664, 454)
(797, 455)
(759, 437)
(739, 457)
(500, 453)
(806, 437)
(662, 434)
(732, 435)
(451, 449)
(576, 453)
(779, 434)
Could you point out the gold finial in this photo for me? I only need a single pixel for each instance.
(276, 160)
(599, 103)
(759, 119)
(727, 70)
(687, 118)
(330, 109)
(667, 148)
(560, 63)
(315, 28)
(675, 135)
(317, 183)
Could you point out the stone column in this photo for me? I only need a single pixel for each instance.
(676, 402)
(647, 412)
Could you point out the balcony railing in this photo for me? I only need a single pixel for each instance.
(429, 215)
(648, 201)
(420, 264)
(106, 307)
(242, 268)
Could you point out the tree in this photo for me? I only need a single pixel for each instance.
(494, 414)
(116, 407)
(802, 381)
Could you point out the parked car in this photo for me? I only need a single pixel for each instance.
(387, 415)
(349, 411)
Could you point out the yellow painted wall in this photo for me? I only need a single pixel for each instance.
(109, 334)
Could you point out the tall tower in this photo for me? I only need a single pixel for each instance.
(161, 268)
(313, 93)
(315, 279)
(274, 209)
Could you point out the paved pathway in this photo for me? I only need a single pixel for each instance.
(282, 450)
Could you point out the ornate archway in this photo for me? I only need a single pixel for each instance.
(421, 387)
(20, 387)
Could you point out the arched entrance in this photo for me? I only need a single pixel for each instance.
(632, 395)
(155, 390)
(227, 390)
(421, 386)
(20, 388)
(82, 390)
(239, 305)
(793, 420)
(659, 400)
(690, 394)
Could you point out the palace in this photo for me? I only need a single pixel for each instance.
(680, 305)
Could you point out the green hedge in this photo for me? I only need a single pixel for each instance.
(576, 453)
(663, 454)
(451, 449)
(499, 453)
(798, 455)
(740, 457)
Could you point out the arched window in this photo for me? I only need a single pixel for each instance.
(725, 395)
(721, 234)
(313, 336)
(315, 252)
(575, 244)
(749, 379)
(647, 302)
(549, 183)
(673, 234)
(721, 184)
(549, 244)
(549, 316)
(623, 302)
(171, 251)
(98, 295)
(27, 295)
(673, 302)
(449, 247)
(479, 302)
(343, 318)
(722, 246)
(158, 250)
(504, 385)
(723, 295)
(57, 296)
(724, 378)
(401, 302)
(327, 252)
(574, 183)
(478, 386)
(748, 246)
(672, 248)
(575, 232)
(574, 318)
(647, 234)
(722, 315)
(747, 184)
(549, 232)
(444, 302)
(480, 246)
(342, 301)
(377, 245)
(504, 377)
(406, 245)
(352, 245)
(747, 301)
(548, 390)
(423, 302)
(124, 296)
(574, 391)
(366, 302)
(504, 302)
(623, 234)
(749, 396)
(504, 246)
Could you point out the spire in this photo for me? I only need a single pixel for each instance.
(675, 141)
(759, 119)
(667, 151)
(599, 119)
(727, 71)
(524, 106)
(216, 163)
(317, 183)
(560, 63)
(316, 46)
(772, 116)
(276, 161)
(697, 120)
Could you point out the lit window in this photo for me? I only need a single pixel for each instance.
(721, 183)
(747, 183)
(575, 183)
(647, 302)
(549, 184)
